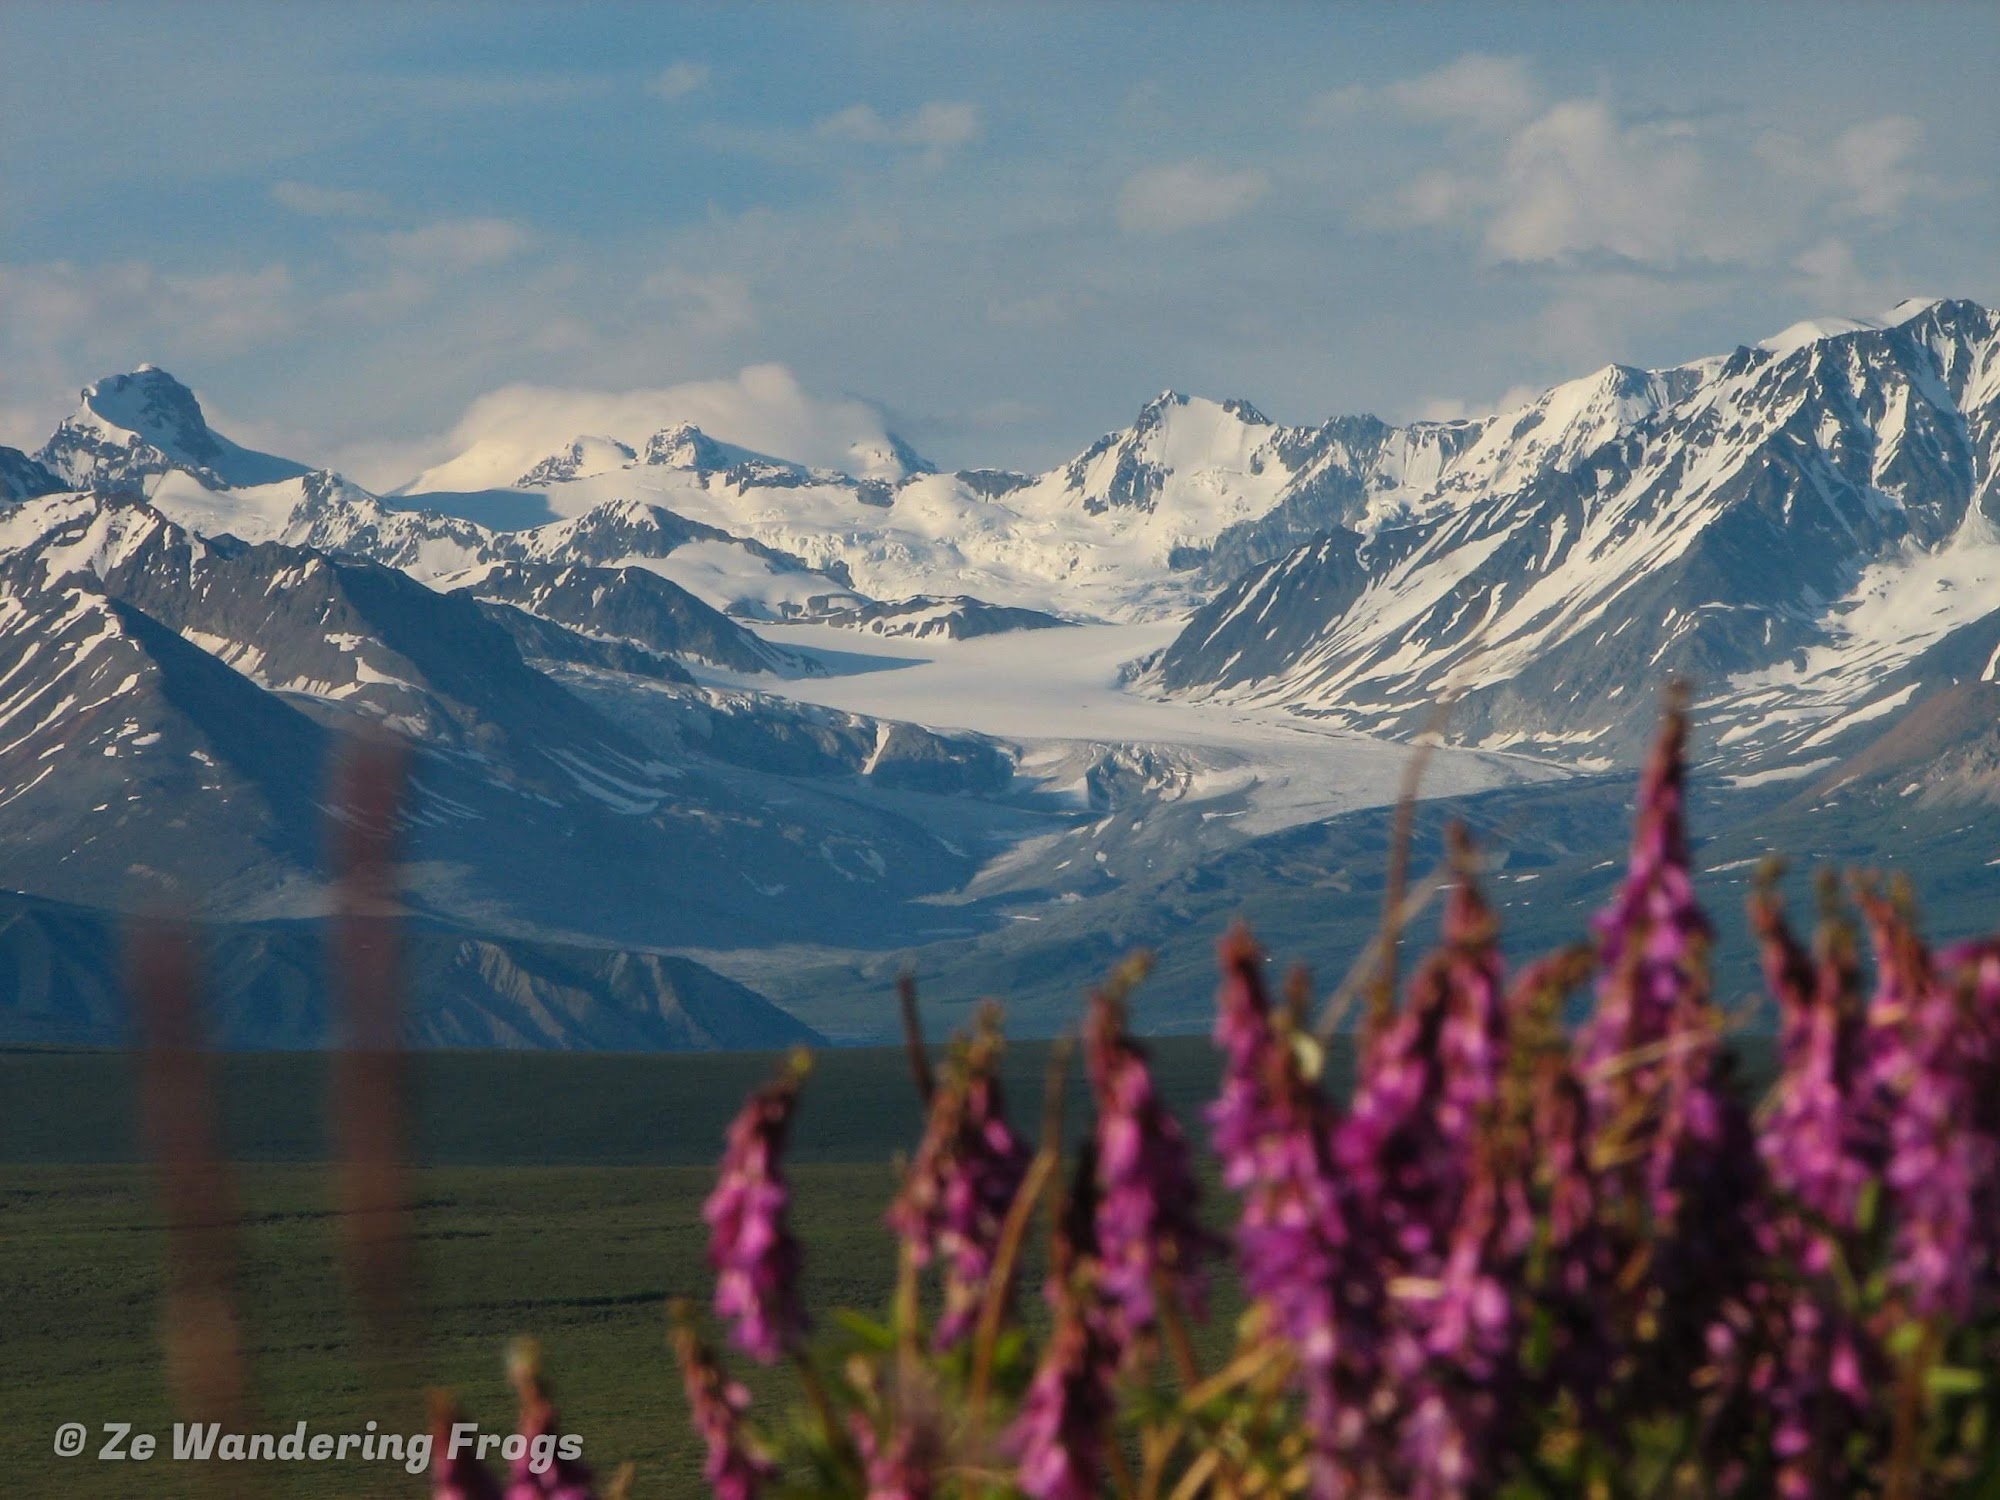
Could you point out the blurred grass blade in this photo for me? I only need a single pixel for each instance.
(201, 1328)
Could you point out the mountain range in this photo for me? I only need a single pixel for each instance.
(707, 743)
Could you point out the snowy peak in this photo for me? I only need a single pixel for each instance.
(581, 459)
(1815, 330)
(132, 428)
(889, 460)
(686, 446)
(1206, 444)
(1562, 426)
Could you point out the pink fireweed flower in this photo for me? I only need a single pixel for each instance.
(901, 1466)
(1060, 1434)
(1817, 1364)
(751, 1249)
(1272, 1129)
(735, 1469)
(1407, 1147)
(1653, 937)
(560, 1478)
(1822, 1139)
(1578, 1277)
(1935, 1063)
(1975, 969)
(541, 1472)
(1654, 1065)
(1148, 1234)
(966, 1173)
(1438, 1224)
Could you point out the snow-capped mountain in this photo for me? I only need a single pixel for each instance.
(132, 427)
(633, 605)
(714, 698)
(170, 702)
(1142, 524)
(1789, 525)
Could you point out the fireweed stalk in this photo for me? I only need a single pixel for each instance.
(735, 1469)
(1273, 1130)
(750, 1248)
(1425, 1324)
(1935, 1062)
(1666, 1124)
(966, 1172)
(1803, 1352)
(559, 1478)
(1150, 1242)
(1060, 1436)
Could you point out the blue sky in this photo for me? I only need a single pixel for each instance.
(1004, 227)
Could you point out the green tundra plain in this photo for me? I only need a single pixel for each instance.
(556, 1195)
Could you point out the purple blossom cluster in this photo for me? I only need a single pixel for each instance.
(1272, 1130)
(899, 1466)
(1514, 1259)
(733, 1468)
(751, 1248)
(1149, 1236)
(1060, 1435)
(963, 1180)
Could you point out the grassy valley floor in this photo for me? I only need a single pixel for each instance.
(558, 1196)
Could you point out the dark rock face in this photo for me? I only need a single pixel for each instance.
(22, 478)
(991, 484)
(916, 759)
(543, 641)
(924, 617)
(634, 606)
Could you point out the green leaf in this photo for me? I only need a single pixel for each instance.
(1954, 1380)
(871, 1333)
(1868, 1204)
(1903, 1340)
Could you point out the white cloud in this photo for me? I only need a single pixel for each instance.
(1580, 182)
(764, 407)
(101, 308)
(1872, 163)
(1577, 182)
(937, 128)
(1832, 281)
(327, 203)
(455, 244)
(62, 324)
(678, 80)
(709, 304)
(1570, 182)
(1488, 93)
(1492, 93)
(1457, 409)
(1187, 195)
(1867, 171)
